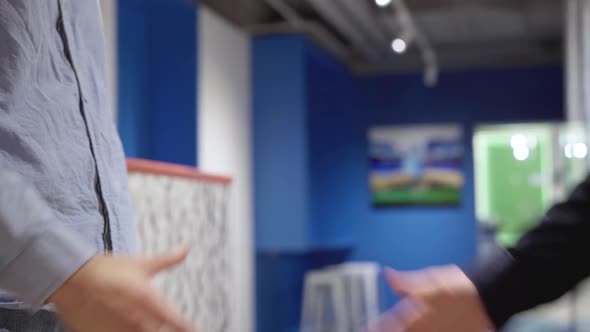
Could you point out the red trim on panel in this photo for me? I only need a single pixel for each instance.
(161, 168)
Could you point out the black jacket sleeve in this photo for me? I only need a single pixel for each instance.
(547, 262)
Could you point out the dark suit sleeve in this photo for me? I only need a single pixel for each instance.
(548, 261)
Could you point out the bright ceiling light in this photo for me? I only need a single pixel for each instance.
(382, 3)
(580, 150)
(521, 153)
(399, 46)
(518, 141)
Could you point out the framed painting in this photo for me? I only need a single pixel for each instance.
(416, 165)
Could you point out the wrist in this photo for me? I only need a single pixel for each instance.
(482, 318)
(480, 314)
(72, 287)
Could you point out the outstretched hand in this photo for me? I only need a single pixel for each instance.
(114, 294)
(440, 299)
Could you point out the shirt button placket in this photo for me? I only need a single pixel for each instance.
(92, 130)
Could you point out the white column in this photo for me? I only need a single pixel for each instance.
(225, 143)
(583, 36)
(577, 64)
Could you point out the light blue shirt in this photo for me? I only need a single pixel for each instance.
(63, 181)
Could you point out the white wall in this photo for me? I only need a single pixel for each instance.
(224, 141)
(109, 14)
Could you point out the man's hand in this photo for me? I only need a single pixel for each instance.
(440, 299)
(114, 294)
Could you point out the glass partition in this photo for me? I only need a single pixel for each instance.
(521, 170)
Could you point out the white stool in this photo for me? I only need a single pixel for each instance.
(352, 291)
(321, 287)
(362, 292)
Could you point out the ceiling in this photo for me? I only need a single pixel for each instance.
(463, 34)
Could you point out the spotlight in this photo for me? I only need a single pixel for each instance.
(518, 140)
(399, 46)
(383, 3)
(521, 153)
(580, 150)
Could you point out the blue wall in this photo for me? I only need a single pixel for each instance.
(335, 145)
(132, 78)
(158, 79)
(341, 223)
(280, 143)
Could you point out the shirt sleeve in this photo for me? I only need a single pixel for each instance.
(546, 263)
(37, 253)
